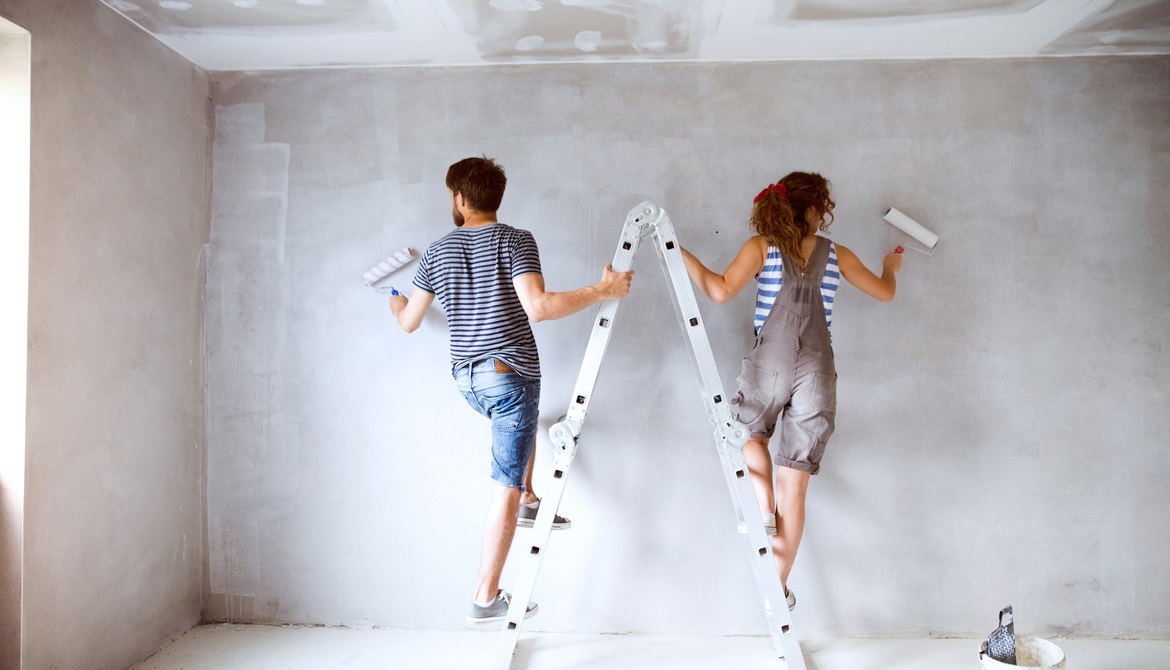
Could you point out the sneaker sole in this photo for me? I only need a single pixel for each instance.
(769, 530)
(492, 619)
(527, 523)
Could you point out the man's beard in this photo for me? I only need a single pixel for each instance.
(459, 220)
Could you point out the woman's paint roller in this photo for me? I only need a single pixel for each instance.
(913, 229)
(383, 269)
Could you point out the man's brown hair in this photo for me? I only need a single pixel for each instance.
(481, 180)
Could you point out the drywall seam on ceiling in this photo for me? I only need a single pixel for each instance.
(742, 36)
(439, 34)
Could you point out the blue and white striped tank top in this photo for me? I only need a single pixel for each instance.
(771, 278)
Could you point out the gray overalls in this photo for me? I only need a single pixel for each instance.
(789, 375)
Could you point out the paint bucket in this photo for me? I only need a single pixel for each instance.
(1033, 653)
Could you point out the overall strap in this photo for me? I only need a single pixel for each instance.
(815, 268)
(819, 259)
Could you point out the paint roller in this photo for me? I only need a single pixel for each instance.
(382, 270)
(913, 229)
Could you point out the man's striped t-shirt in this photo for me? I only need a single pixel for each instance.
(771, 278)
(470, 271)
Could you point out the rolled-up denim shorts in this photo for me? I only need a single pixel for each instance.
(511, 401)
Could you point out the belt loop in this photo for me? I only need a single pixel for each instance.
(463, 364)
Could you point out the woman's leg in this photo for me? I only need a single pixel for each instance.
(791, 489)
(759, 462)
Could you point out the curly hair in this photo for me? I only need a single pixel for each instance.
(481, 180)
(779, 215)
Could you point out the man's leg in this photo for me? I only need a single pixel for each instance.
(791, 488)
(498, 529)
(529, 500)
(512, 402)
(528, 497)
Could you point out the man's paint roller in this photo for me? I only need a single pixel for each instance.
(383, 270)
(913, 229)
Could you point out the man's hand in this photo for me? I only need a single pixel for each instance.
(541, 305)
(410, 313)
(614, 284)
(397, 303)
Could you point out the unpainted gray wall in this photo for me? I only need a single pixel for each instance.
(1002, 424)
(114, 501)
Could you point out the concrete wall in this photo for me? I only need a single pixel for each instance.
(15, 73)
(114, 499)
(1002, 427)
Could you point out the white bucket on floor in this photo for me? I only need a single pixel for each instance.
(1031, 652)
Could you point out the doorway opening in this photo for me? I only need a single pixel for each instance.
(15, 142)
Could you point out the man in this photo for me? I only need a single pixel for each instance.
(488, 279)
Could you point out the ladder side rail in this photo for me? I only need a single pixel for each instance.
(730, 436)
(687, 309)
(602, 324)
(665, 242)
(759, 545)
(564, 435)
(565, 446)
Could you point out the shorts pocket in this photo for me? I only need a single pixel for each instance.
(506, 406)
(756, 388)
(824, 391)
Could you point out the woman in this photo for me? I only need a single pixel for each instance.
(789, 381)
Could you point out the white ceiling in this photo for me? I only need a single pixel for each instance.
(282, 34)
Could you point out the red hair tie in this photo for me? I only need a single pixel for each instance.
(779, 188)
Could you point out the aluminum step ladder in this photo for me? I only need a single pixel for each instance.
(648, 220)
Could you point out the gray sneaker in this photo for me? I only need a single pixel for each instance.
(496, 610)
(527, 517)
(769, 525)
(791, 598)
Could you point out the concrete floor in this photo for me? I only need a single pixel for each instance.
(313, 648)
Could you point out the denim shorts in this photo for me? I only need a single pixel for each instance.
(511, 401)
